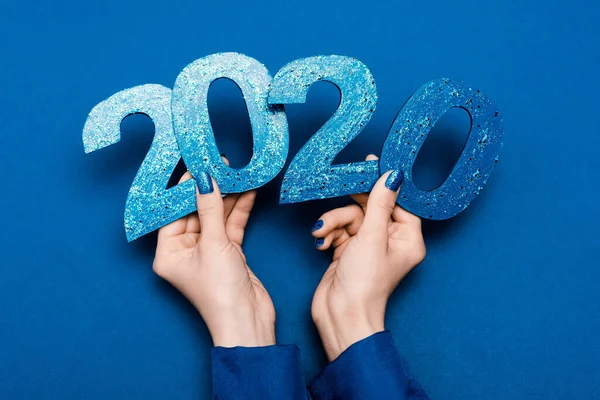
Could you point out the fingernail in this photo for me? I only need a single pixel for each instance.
(318, 225)
(204, 182)
(394, 181)
(223, 155)
(319, 242)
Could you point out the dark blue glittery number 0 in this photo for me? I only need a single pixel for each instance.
(194, 133)
(410, 129)
(310, 174)
(149, 204)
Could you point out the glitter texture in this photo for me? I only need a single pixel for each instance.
(149, 204)
(318, 225)
(194, 133)
(204, 182)
(409, 131)
(310, 175)
(394, 180)
(182, 123)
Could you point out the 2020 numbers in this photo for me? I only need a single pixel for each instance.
(183, 130)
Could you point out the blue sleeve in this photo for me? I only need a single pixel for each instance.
(261, 373)
(369, 369)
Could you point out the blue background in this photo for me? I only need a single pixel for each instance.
(506, 305)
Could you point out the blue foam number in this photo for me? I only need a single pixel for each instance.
(194, 133)
(310, 175)
(149, 204)
(410, 129)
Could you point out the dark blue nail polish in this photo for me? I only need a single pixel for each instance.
(204, 182)
(394, 181)
(223, 155)
(318, 225)
(319, 242)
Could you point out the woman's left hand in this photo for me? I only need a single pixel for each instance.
(201, 255)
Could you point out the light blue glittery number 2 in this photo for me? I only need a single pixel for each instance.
(149, 204)
(310, 174)
(410, 129)
(194, 133)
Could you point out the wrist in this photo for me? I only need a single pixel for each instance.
(341, 327)
(233, 323)
(235, 334)
(242, 326)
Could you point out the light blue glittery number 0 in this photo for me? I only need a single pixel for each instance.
(410, 129)
(149, 204)
(311, 175)
(194, 133)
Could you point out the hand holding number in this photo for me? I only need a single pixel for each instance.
(376, 244)
(201, 255)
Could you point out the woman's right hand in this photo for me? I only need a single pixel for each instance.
(376, 244)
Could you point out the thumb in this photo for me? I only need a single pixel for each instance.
(381, 203)
(210, 208)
